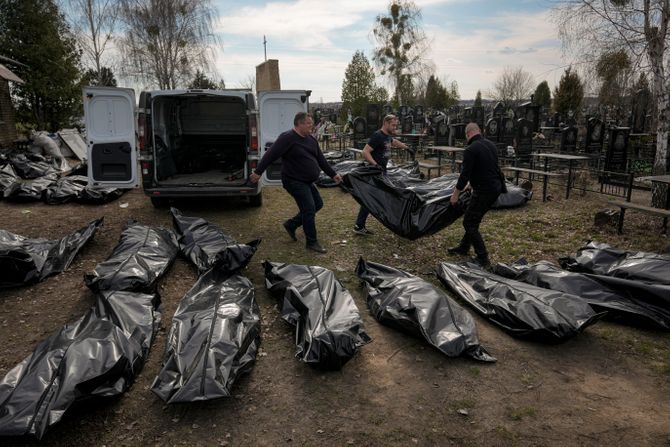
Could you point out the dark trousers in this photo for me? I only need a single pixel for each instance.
(309, 201)
(363, 214)
(480, 203)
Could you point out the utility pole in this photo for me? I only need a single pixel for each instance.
(265, 48)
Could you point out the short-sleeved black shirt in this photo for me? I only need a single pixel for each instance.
(381, 147)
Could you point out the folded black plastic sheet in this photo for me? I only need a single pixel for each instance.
(66, 189)
(206, 244)
(142, 255)
(31, 166)
(524, 310)
(26, 261)
(7, 177)
(214, 338)
(602, 259)
(329, 328)
(99, 196)
(413, 211)
(29, 190)
(515, 196)
(634, 302)
(415, 306)
(98, 355)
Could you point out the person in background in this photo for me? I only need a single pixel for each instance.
(480, 169)
(302, 162)
(377, 152)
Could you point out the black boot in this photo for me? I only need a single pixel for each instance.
(315, 246)
(459, 250)
(290, 230)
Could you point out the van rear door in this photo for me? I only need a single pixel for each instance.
(109, 114)
(277, 108)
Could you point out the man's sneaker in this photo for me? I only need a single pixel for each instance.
(290, 230)
(458, 251)
(316, 247)
(484, 263)
(362, 231)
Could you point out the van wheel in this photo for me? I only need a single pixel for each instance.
(158, 202)
(256, 200)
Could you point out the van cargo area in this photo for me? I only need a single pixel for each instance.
(200, 140)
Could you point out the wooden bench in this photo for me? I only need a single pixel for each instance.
(545, 175)
(429, 167)
(665, 214)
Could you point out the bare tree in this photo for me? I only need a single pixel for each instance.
(512, 86)
(94, 22)
(249, 82)
(401, 44)
(639, 27)
(164, 41)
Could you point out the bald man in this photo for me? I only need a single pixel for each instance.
(480, 169)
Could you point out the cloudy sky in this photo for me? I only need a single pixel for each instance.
(472, 41)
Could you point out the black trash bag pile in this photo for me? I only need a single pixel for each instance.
(65, 190)
(26, 261)
(98, 196)
(215, 332)
(601, 259)
(413, 211)
(142, 255)
(31, 166)
(633, 302)
(98, 355)
(29, 190)
(415, 306)
(328, 326)
(206, 244)
(524, 310)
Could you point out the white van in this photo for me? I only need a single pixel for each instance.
(188, 143)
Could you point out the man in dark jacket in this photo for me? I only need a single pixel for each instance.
(481, 170)
(302, 162)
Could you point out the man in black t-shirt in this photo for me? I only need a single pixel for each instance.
(378, 152)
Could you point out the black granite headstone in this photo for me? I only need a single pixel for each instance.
(373, 118)
(569, 139)
(441, 132)
(524, 140)
(617, 150)
(595, 135)
(360, 128)
(493, 128)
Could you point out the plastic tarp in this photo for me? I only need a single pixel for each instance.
(630, 301)
(29, 190)
(214, 338)
(98, 355)
(31, 166)
(7, 176)
(25, 261)
(329, 329)
(415, 306)
(99, 195)
(524, 310)
(602, 259)
(206, 244)
(406, 174)
(141, 256)
(66, 189)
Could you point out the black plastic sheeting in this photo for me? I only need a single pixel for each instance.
(141, 256)
(98, 355)
(632, 302)
(215, 332)
(206, 244)
(329, 329)
(213, 340)
(98, 196)
(26, 261)
(602, 259)
(413, 208)
(407, 174)
(29, 190)
(415, 306)
(66, 189)
(7, 176)
(523, 310)
(31, 166)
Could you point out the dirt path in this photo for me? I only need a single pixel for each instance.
(608, 386)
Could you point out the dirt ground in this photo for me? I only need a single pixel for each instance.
(607, 386)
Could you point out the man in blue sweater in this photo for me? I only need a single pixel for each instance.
(302, 162)
(480, 169)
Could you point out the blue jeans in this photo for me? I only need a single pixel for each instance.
(309, 201)
(363, 214)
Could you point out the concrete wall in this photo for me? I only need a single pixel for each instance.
(267, 76)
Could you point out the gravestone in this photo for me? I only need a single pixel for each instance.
(617, 150)
(373, 118)
(360, 129)
(407, 124)
(333, 118)
(507, 131)
(403, 111)
(467, 115)
(388, 109)
(478, 116)
(456, 133)
(441, 131)
(499, 109)
(569, 139)
(524, 141)
(418, 114)
(493, 128)
(639, 113)
(556, 120)
(595, 135)
(531, 112)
